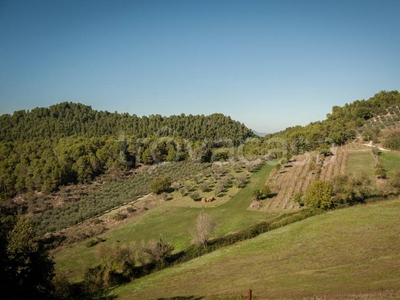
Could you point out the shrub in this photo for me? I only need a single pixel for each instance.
(183, 191)
(160, 184)
(219, 188)
(237, 167)
(195, 196)
(189, 186)
(240, 180)
(157, 251)
(119, 216)
(395, 182)
(94, 242)
(381, 173)
(319, 195)
(205, 186)
(298, 198)
(131, 209)
(262, 193)
(393, 141)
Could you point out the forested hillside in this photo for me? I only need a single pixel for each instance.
(342, 124)
(70, 143)
(72, 119)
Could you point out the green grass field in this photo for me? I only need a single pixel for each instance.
(359, 162)
(172, 222)
(391, 161)
(351, 253)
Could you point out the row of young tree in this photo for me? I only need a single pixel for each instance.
(74, 119)
(45, 165)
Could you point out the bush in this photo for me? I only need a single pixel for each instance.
(226, 182)
(188, 186)
(94, 242)
(263, 193)
(158, 251)
(393, 141)
(160, 185)
(240, 180)
(119, 216)
(349, 189)
(319, 195)
(205, 186)
(298, 198)
(203, 229)
(183, 191)
(131, 209)
(237, 167)
(395, 182)
(195, 196)
(381, 173)
(219, 188)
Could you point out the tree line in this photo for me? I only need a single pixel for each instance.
(75, 119)
(341, 125)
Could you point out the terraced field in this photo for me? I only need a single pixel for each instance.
(390, 120)
(299, 174)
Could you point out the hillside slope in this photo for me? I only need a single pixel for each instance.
(75, 119)
(339, 254)
(342, 124)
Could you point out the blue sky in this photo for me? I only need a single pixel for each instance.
(268, 64)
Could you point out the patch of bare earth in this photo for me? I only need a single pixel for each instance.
(297, 175)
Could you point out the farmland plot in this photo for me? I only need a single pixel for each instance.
(298, 175)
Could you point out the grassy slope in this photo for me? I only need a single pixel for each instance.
(344, 252)
(172, 223)
(391, 161)
(359, 162)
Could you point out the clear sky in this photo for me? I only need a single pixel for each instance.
(268, 64)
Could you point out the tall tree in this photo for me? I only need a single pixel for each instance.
(26, 270)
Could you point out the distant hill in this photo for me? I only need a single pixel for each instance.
(75, 119)
(259, 133)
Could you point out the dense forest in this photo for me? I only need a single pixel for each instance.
(70, 143)
(72, 119)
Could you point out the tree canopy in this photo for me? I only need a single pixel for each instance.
(26, 270)
(75, 119)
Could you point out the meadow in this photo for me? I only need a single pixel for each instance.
(172, 220)
(391, 162)
(360, 162)
(350, 253)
